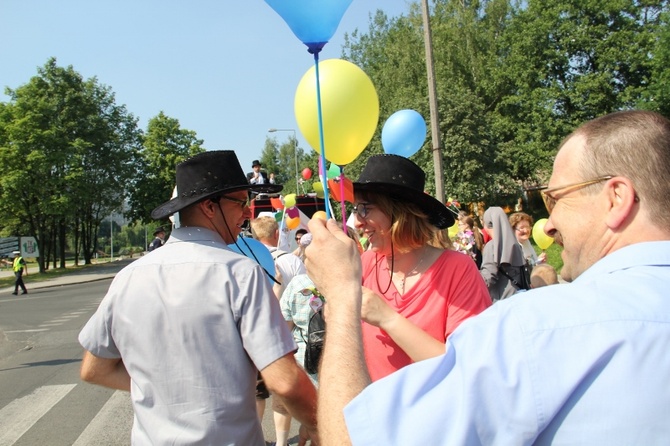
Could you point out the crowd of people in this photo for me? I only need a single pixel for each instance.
(425, 344)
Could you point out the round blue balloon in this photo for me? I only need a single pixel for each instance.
(404, 133)
(314, 23)
(257, 252)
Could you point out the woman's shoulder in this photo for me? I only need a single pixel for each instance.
(455, 260)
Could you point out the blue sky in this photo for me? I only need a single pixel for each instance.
(226, 69)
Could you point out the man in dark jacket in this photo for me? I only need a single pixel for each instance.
(256, 176)
(159, 239)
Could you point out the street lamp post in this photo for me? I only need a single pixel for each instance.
(295, 153)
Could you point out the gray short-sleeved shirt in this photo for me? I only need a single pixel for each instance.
(192, 322)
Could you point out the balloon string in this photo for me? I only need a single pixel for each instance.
(324, 176)
(283, 217)
(342, 208)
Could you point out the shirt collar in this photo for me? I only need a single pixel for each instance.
(194, 234)
(638, 254)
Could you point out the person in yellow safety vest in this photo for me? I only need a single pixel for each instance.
(19, 266)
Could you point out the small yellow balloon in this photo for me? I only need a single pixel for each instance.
(453, 230)
(349, 109)
(292, 223)
(289, 200)
(318, 188)
(320, 214)
(541, 239)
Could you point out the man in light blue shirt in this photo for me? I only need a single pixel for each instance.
(580, 363)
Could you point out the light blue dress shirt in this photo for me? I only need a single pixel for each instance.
(581, 363)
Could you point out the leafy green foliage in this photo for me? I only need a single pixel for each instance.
(513, 79)
(166, 144)
(68, 151)
(286, 161)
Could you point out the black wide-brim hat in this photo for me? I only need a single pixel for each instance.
(401, 179)
(205, 175)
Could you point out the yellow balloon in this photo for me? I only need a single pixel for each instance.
(292, 223)
(318, 188)
(349, 106)
(541, 239)
(452, 231)
(289, 200)
(320, 214)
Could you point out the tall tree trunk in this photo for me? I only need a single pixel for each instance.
(61, 239)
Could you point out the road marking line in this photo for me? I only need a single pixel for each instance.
(21, 414)
(58, 320)
(117, 408)
(27, 331)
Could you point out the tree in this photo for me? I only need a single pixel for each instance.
(570, 62)
(68, 153)
(513, 79)
(392, 55)
(281, 160)
(166, 144)
(657, 96)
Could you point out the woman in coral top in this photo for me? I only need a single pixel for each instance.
(416, 292)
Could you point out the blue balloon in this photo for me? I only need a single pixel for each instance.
(404, 133)
(312, 21)
(256, 251)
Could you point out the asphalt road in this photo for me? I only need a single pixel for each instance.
(42, 400)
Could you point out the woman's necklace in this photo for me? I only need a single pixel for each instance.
(409, 273)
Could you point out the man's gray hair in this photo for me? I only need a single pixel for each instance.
(634, 144)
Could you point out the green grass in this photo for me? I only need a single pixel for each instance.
(553, 255)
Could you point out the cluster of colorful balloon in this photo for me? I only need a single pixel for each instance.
(336, 104)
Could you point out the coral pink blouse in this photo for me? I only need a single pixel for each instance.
(450, 291)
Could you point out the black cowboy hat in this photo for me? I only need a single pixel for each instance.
(158, 230)
(207, 174)
(255, 163)
(398, 177)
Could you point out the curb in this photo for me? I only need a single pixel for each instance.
(74, 278)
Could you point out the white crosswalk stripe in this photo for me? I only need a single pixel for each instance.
(19, 415)
(110, 427)
(100, 431)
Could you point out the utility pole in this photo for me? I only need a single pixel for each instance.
(432, 97)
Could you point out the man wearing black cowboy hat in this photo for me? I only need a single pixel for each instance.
(256, 176)
(159, 240)
(187, 327)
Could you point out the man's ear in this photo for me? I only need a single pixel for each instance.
(622, 200)
(207, 207)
